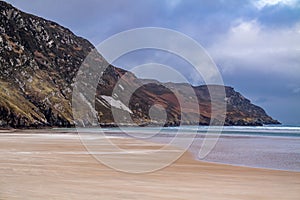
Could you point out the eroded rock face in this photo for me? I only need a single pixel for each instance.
(39, 60)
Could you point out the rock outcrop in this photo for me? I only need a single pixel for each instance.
(39, 60)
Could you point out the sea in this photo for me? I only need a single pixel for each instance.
(271, 147)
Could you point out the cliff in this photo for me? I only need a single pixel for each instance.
(39, 60)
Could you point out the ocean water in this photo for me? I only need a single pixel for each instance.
(270, 130)
(271, 147)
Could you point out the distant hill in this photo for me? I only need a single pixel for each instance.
(39, 60)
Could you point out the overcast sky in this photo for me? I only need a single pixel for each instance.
(255, 44)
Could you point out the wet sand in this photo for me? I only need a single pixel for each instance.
(57, 166)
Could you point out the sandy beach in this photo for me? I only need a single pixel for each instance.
(57, 166)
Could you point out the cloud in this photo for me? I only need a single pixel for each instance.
(249, 45)
(97, 20)
(260, 4)
(263, 63)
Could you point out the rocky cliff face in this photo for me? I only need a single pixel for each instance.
(39, 60)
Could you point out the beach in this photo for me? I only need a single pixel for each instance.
(42, 165)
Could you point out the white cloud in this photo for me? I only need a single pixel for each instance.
(173, 3)
(264, 3)
(247, 45)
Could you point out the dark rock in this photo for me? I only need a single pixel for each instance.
(39, 60)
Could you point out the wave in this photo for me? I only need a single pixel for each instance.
(279, 130)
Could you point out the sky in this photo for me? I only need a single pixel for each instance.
(255, 44)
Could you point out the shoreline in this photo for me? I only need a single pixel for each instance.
(61, 168)
(200, 136)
